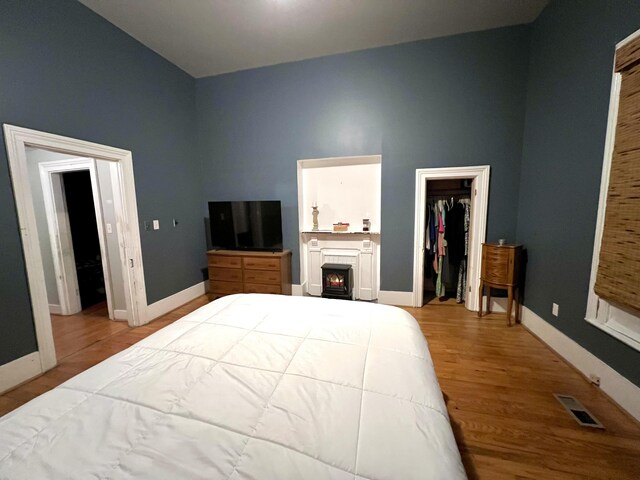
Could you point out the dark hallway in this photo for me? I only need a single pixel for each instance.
(84, 233)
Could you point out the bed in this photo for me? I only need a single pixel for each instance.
(248, 387)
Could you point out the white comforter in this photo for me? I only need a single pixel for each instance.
(248, 387)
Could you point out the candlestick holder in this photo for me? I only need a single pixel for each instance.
(315, 218)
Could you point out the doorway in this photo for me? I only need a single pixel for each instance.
(446, 250)
(82, 255)
(477, 184)
(18, 140)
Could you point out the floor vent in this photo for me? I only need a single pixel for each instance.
(577, 411)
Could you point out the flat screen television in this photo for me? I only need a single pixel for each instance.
(255, 225)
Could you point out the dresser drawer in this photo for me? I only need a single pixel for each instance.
(261, 288)
(217, 286)
(225, 274)
(262, 276)
(257, 263)
(224, 261)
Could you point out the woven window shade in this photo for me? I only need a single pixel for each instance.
(618, 278)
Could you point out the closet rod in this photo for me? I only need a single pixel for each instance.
(441, 193)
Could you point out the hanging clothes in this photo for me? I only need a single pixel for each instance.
(454, 235)
(446, 244)
(461, 290)
(440, 290)
(467, 221)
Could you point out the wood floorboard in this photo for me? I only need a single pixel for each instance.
(72, 333)
(498, 383)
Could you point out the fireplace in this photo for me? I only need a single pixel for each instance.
(337, 281)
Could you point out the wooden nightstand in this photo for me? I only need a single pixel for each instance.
(501, 269)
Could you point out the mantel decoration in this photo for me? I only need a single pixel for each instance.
(340, 227)
(315, 217)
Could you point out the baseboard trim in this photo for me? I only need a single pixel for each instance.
(388, 297)
(497, 305)
(55, 309)
(617, 387)
(19, 371)
(297, 290)
(120, 315)
(159, 308)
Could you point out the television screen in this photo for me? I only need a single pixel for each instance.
(246, 225)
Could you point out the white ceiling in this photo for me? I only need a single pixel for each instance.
(209, 37)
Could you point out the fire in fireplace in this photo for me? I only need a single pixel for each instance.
(337, 281)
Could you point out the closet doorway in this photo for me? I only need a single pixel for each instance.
(453, 193)
(446, 250)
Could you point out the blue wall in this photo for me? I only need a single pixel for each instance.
(65, 70)
(572, 51)
(444, 102)
(458, 100)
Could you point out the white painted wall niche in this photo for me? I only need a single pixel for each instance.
(345, 189)
(348, 190)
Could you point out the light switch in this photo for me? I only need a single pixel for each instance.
(109, 229)
(156, 224)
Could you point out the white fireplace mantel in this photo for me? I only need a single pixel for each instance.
(359, 249)
(347, 190)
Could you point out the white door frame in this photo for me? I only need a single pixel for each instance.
(478, 227)
(60, 234)
(16, 140)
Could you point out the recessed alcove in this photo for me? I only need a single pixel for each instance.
(347, 190)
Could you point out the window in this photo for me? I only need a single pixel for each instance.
(614, 294)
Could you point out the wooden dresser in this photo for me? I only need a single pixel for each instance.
(501, 269)
(232, 271)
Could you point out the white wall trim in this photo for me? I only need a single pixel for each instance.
(120, 315)
(176, 300)
(17, 139)
(297, 290)
(55, 309)
(621, 390)
(19, 371)
(479, 209)
(388, 297)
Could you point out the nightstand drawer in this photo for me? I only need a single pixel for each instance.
(216, 286)
(225, 274)
(224, 261)
(500, 264)
(257, 263)
(497, 273)
(261, 288)
(262, 276)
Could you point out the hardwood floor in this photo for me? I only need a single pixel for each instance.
(72, 333)
(498, 382)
